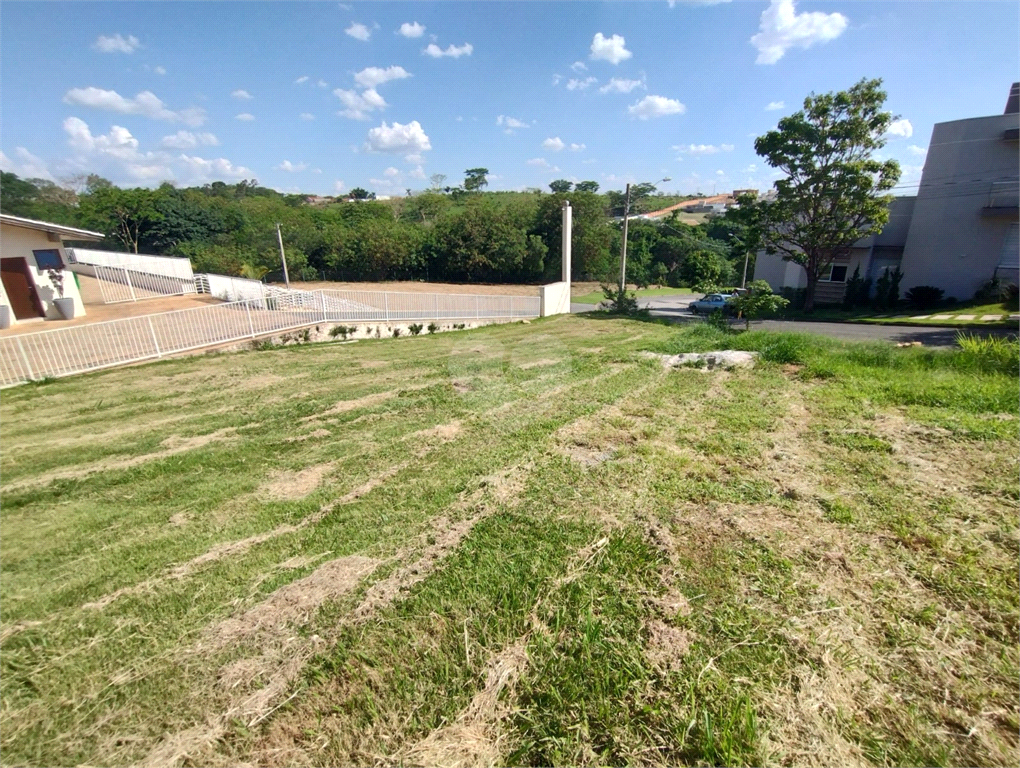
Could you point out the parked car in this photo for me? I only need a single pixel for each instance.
(710, 303)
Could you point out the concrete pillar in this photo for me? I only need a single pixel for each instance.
(568, 221)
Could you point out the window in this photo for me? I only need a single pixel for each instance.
(834, 273)
(48, 259)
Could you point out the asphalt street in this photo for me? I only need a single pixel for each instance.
(675, 308)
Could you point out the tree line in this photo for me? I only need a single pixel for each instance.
(460, 234)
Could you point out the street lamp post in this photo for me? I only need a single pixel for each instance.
(623, 248)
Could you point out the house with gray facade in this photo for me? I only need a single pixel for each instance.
(957, 233)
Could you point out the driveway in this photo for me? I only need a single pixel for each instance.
(675, 308)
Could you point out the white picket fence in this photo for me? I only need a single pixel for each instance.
(90, 347)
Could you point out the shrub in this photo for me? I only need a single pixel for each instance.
(925, 296)
(759, 300)
(887, 288)
(620, 302)
(415, 328)
(342, 331)
(717, 319)
(858, 290)
(433, 327)
(396, 332)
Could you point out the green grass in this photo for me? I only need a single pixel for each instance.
(564, 554)
(909, 316)
(597, 296)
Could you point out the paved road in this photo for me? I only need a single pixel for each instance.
(675, 308)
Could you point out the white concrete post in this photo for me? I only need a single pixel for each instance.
(568, 222)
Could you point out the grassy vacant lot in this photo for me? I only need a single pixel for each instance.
(526, 544)
(597, 296)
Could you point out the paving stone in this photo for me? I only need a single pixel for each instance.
(920, 317)
(991, 317)
(940, 317)
(965, 317)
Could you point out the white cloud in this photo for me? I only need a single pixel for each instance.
(556, 79)
(302, 79)
(782, 28)
(245, 117)
(370, 77)
(189, 140)
(398, 139)
(411, 29)
(452, 51)
(359, 105)
(290, 167)
(576, 147)
(159, 70)
(541, 162)
(901, 128)
(510, 122)
(391, 172)
(621, 85)
(116, 43)
(703, 149)
(609, 49)
(306, 116)
(322, 83)
(338, 185)
(27, 166)
(119, 147)
(358, 31)
(555, 144)
(240, 93)
(579, 66)
(656, 106)
(417, 173)
(145, 103)
(916, 150)
(581, 85)
(415, 158)
(202, 169)
(774, 105)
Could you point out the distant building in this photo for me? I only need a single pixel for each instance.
(961, 229)
(738, 192)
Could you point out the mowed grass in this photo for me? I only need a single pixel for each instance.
(597, 297)
(524, 544)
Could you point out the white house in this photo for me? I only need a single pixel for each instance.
(31, 256)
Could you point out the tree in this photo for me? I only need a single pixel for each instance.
(560, 185)
(126, 215)
(587, 186)
(830, 197)
(474, 179)
(759, 300)
(360, 193)
(437, 180)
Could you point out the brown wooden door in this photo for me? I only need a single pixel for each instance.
(20, 289)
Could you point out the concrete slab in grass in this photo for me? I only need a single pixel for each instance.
(920, 317)
(991, 317)
(965, 317)
(940, 317)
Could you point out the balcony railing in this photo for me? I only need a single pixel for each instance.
(1003, 197)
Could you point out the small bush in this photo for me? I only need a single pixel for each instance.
(925, 296)
(458, 326)
(415, 328)
(342, 331)
(717, 319)
(433, 327)
(396, 332)
(619, 303)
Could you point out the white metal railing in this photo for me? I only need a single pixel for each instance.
(170, 266)
(90, 347)
(120, 284)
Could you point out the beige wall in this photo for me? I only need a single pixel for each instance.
(19, 242)
(555, 299)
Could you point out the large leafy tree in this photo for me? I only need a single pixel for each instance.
(831, 196)
(561, 185)
(126, 215)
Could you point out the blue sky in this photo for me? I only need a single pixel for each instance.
(323, 97)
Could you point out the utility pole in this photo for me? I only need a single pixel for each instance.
(623, 247)
(283, 256)
(743, 280)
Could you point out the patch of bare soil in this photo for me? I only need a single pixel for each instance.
(179, 518)
(475, 737)
(295, 602)
(546, 361)
(288, 486)
(350, 405)
(173, 445)
(666, 645)
(315, 434)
